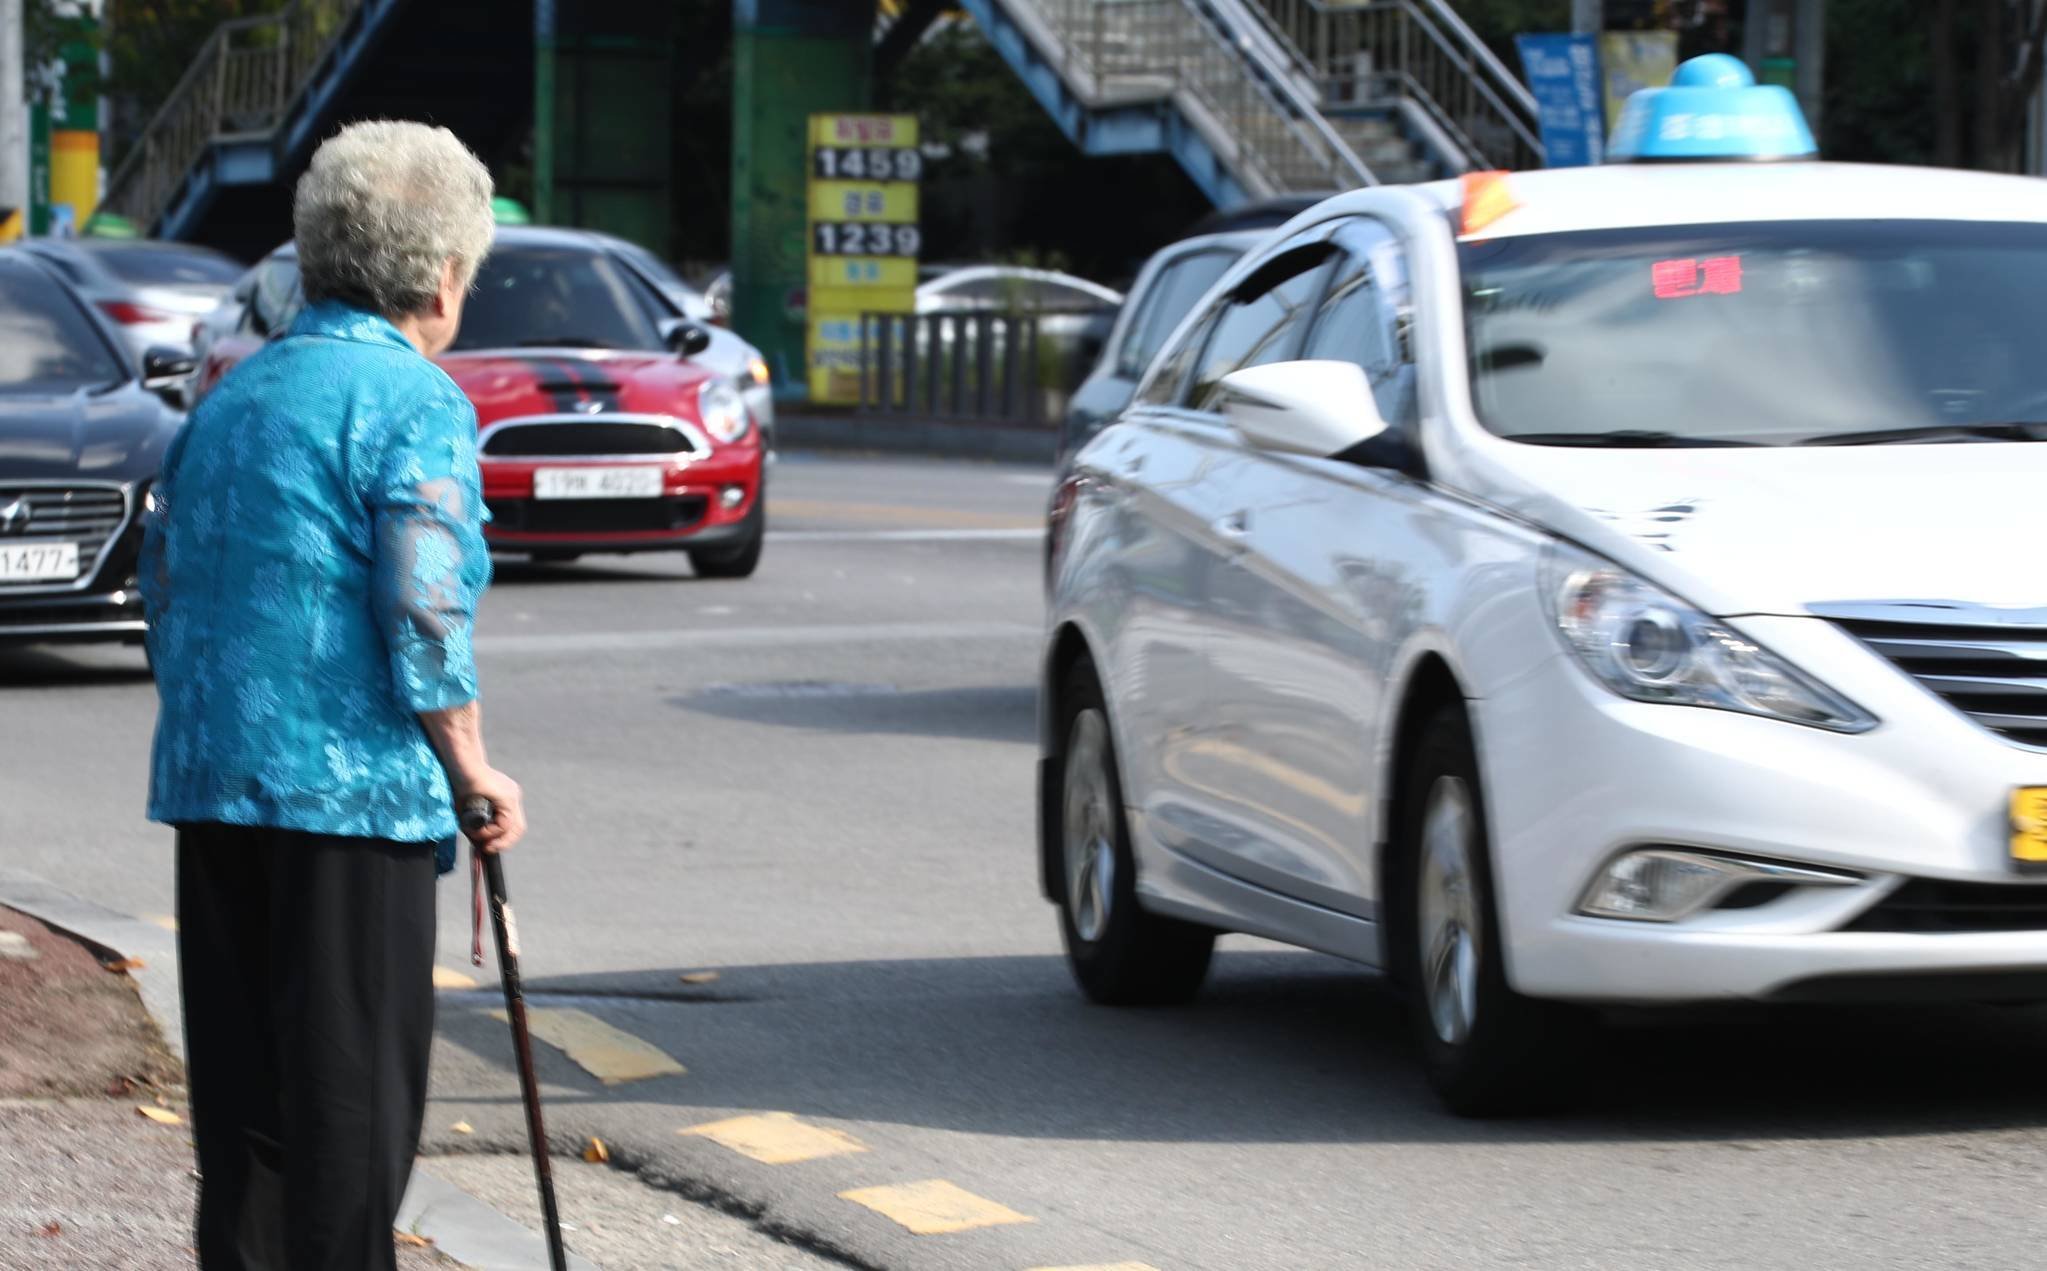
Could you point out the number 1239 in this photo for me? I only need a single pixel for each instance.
(854, 238)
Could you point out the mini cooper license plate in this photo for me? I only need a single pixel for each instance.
(38, 562)
(597, 483)
(2029, 828)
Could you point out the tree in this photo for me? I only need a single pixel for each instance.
(48, 28)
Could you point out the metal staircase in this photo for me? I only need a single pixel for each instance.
(1263, 97)
(242, 106)
(1414, 65)
(1204, 80)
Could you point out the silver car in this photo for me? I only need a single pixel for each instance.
(152, 291)
(1603, 585)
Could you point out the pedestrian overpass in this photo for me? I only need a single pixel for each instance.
(1251, 97)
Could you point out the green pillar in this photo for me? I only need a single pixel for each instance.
(603, 142)
(791, 59)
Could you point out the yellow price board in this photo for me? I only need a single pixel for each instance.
(863, 242)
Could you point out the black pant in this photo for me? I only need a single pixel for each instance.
(307, 970)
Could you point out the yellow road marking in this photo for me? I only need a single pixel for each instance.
(778, 1138)
(933, 1207)
(944, 518)
(446, 979)
(611, 1056)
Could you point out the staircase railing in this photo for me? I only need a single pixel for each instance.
(1421, 52)
(1215, 56)
(243, 81)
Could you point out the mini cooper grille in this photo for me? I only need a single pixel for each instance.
(587, 438)
(87, 516)
(1995, 675)
(596, 516)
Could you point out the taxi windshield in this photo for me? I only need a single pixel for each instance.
(1768, 333)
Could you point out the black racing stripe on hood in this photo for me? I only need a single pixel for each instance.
(577, 384)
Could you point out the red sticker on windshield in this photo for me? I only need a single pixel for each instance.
(1712, 276)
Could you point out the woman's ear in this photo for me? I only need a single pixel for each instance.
(449, 297)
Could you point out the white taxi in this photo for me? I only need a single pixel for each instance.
(1611, 585)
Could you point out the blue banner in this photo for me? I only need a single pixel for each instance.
(1563, 74)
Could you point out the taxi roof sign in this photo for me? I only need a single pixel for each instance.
(1713, 110)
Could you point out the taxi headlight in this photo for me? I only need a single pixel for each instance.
(723, 411)
(1645, 644)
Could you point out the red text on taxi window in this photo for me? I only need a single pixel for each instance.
(1710, 276)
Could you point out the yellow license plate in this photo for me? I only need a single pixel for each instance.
(2029, 826)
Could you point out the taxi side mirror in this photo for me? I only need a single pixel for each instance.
(1322, 409)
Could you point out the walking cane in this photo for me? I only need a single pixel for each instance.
(477, 813)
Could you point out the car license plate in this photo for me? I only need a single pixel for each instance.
(38, 562)
(597, 483)
(2029, 827)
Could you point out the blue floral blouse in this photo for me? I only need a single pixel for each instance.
(310, 576)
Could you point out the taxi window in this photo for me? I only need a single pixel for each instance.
(1170, 298)
(1361, 319)
(1767, 333)
(1163, 388)
(1264, 319)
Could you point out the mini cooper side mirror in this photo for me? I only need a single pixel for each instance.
(1323, 409)
(686, 337)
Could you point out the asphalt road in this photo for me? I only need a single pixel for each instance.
(784, 836)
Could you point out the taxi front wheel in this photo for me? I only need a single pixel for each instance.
(1488, 1050)
(1120, 954)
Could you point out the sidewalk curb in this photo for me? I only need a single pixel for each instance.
(471, 1232)
(461, 1226)
(115, 933)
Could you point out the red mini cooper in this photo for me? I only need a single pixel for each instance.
(599, 433)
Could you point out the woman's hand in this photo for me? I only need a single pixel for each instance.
(508, 808)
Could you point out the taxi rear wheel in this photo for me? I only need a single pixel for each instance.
(1119, 954)
(1487, 1049)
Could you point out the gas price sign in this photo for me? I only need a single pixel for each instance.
(862, 252)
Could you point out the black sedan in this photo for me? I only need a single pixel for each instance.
(84, 424)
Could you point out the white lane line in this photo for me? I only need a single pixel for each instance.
(1025, 535)
(754, 637)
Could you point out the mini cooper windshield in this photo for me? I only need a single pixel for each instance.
(1768, 333)
(559, 297)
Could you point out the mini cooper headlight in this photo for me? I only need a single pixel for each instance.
(723, 411)
(1645, 644)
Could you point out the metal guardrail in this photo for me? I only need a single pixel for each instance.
(1213, 54)
(1422, 52)
(242, 83)
(986, 365)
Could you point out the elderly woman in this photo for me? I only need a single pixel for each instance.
(310, 576)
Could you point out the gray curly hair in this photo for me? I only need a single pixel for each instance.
(383, 208)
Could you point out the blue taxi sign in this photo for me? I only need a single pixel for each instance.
(1713, 109)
